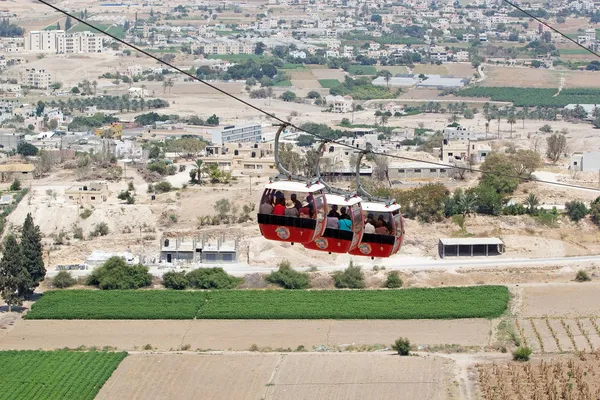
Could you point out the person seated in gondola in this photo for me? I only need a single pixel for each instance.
(304, 210)
(290, 209)
(266, 206)
(345, 222)
(381, 228)
(296, 202)
(369, 227)
(279, 208)
(334, 208)
(332, 220)
(386, 224)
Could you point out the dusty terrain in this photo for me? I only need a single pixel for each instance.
(280, 376)
(539, 78)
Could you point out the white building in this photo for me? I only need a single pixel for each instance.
(58, 41)
(38, 78)
(237, 134)
(461, 133)
(587, 161)
(341, 104)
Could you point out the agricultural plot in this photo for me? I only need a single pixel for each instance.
(570, 378)
(362, 70)
(84, 27)
(55, 374)
(116, 31)
(438, 303)
(533, 97)
(557, 335)
(329, 83)
(287, 83)
(233, 57)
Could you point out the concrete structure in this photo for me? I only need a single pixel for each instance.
(6, 109)
(94, 193)
(416, 170)
(226, 47)
(461, 133)
(192, 251)
(11, 171)
(59, 41)
(99, 257)
(470, 247)
(340, 104)
(468, 151)
(38, 78)
(588, 161)
(237, 134)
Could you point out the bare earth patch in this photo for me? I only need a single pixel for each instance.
(240, 334)
(565, 300)
(279, 376)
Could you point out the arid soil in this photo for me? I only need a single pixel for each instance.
(280, 376)
(561, 300)
(241, 335)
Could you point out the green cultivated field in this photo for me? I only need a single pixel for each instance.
(283, 84)
(234, 57)
(52, 375)
(116, 304)
(533, 97)
(362, 70)
(117, 31)
(438, 303)
(329, 83)
(83, 27)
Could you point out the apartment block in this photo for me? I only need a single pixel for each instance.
(237, 134)
(38, 78)
(61, 42)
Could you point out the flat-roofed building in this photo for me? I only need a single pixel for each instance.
(237, 134)
(11, 171)
(417, 170)
(470, 247)
(93, 193)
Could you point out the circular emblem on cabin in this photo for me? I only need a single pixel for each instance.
(321, 243)
(365, 248)
(282, 232)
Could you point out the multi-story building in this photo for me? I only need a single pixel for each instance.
(237, 134)
(340, 104)
(58, 41)
(38, 78)
(226, 47)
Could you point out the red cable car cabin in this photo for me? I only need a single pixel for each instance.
(292, 211)
(389, 231)
(346, 236)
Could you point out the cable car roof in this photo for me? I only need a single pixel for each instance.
(294, 186)
(341, 200)
(379, 207)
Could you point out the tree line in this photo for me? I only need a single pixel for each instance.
(9, 30)
(22, 265)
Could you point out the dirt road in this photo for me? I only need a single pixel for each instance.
(239, 334)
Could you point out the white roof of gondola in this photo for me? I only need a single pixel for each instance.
(379, 207)
(295, 186)
(341, 200)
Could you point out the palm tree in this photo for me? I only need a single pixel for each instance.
(165, 84)
(487, 129)
(531, 202)
(387, 75)
(170, 84)
(468, 203)
(200, 167)
(498, 116)
(95, 85)
(511, 121)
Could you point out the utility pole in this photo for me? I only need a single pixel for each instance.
(141, 245)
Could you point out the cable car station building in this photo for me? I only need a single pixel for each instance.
(470, 247)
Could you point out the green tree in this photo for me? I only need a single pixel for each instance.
(576, 210)
(531, 202)
(213, 120)
(595, 211)
(15, 186)
(13, 275)
(63, 280)
(287, 277)
(39, 109)
(68, 24)
(260, 48)
(31, 247)
(596, 122)
(288, 96)
(313, 94)
(557, 145)
(116, 274)
(175, 280)
(499, 173)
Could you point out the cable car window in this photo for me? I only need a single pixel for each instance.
(357, 218)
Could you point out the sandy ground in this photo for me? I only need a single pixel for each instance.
(538, 78)
(240, 334)
(279, 376)
(564, 300)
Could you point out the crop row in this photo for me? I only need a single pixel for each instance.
(533, 97)
(55, 374)
(438, 303)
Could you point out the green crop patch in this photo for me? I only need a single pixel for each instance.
(437, 303)
(44, 375)
(116, 304)
(521, 97)
(362, 70)
(329, 83)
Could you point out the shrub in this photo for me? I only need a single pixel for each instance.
(162, 187)
(15, 186)
(63, 280)
(212, 278)
(352, 277)
(522, 353)
(116, 274)
(393, 280)
(85, 214)
(127, 196)
(100, 229)
(175, 280)
(288, 278)
(130, 186)
(582, 276)
(402, 346)
(576, 210)
(77, 232)
(595, 211)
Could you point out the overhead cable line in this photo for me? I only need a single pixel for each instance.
(551, 27)
(268, 114)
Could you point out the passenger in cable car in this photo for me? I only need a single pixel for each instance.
(386, 224)
(345, 222)
(381, 228)
(334, 208)
(290, 209)
(279, 208)
(369, 227)
(332, 220)
(304, 210)
(296, 202)
(266, 206)
(311, 205)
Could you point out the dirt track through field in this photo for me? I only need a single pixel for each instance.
(279, 376)
(239, 334)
